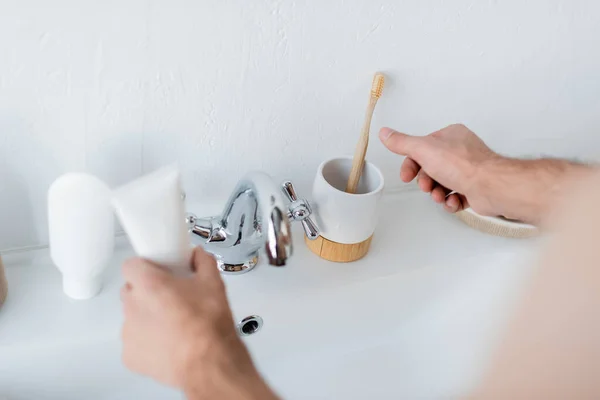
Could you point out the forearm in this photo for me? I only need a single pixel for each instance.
(551, 346)
(230, 387)
(226, 377)
(529, 190)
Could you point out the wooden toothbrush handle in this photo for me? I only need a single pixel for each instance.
(358, 162)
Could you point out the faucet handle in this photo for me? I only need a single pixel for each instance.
(299, 210)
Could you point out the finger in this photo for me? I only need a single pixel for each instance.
(409, 170)
(397, 142)
(452, 203)
(425, 182)
(144, 275)
(205, 266)
(438, 193)
(464, 203)
(461, 202)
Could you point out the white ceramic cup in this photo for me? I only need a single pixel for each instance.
(344, 217)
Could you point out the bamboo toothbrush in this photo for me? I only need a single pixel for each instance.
(358, 162)
(3, 284)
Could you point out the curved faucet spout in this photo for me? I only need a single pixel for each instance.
(254, 217)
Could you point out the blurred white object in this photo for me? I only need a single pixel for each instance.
(81, 228)
(151, 210)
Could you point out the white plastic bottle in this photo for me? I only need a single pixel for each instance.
(81, 228)
(151, 210)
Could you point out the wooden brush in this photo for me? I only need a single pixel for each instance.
(358, 162)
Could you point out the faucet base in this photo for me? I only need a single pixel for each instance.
(236, 269)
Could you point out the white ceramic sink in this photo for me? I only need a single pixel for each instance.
(415, 319)
(421, 333)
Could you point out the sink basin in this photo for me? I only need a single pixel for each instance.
(416, 318)
(424, 333)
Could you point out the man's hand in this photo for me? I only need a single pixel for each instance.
(180, 331)
(454, 159)
(450, 159)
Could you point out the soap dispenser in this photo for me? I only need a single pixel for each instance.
(81, 228)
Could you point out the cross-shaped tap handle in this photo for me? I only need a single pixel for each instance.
(299, 210)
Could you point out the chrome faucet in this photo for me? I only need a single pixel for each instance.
(255, 217)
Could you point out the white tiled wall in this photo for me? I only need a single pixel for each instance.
(118, 88)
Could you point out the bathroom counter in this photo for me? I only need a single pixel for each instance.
(426, 274)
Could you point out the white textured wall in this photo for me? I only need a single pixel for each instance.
(118, 88)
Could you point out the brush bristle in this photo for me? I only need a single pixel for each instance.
(497, 228)
(377, 88)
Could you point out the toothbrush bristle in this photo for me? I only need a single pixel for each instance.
(377, 88)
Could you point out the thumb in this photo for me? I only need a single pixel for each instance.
(205, 265)
(396, 142)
